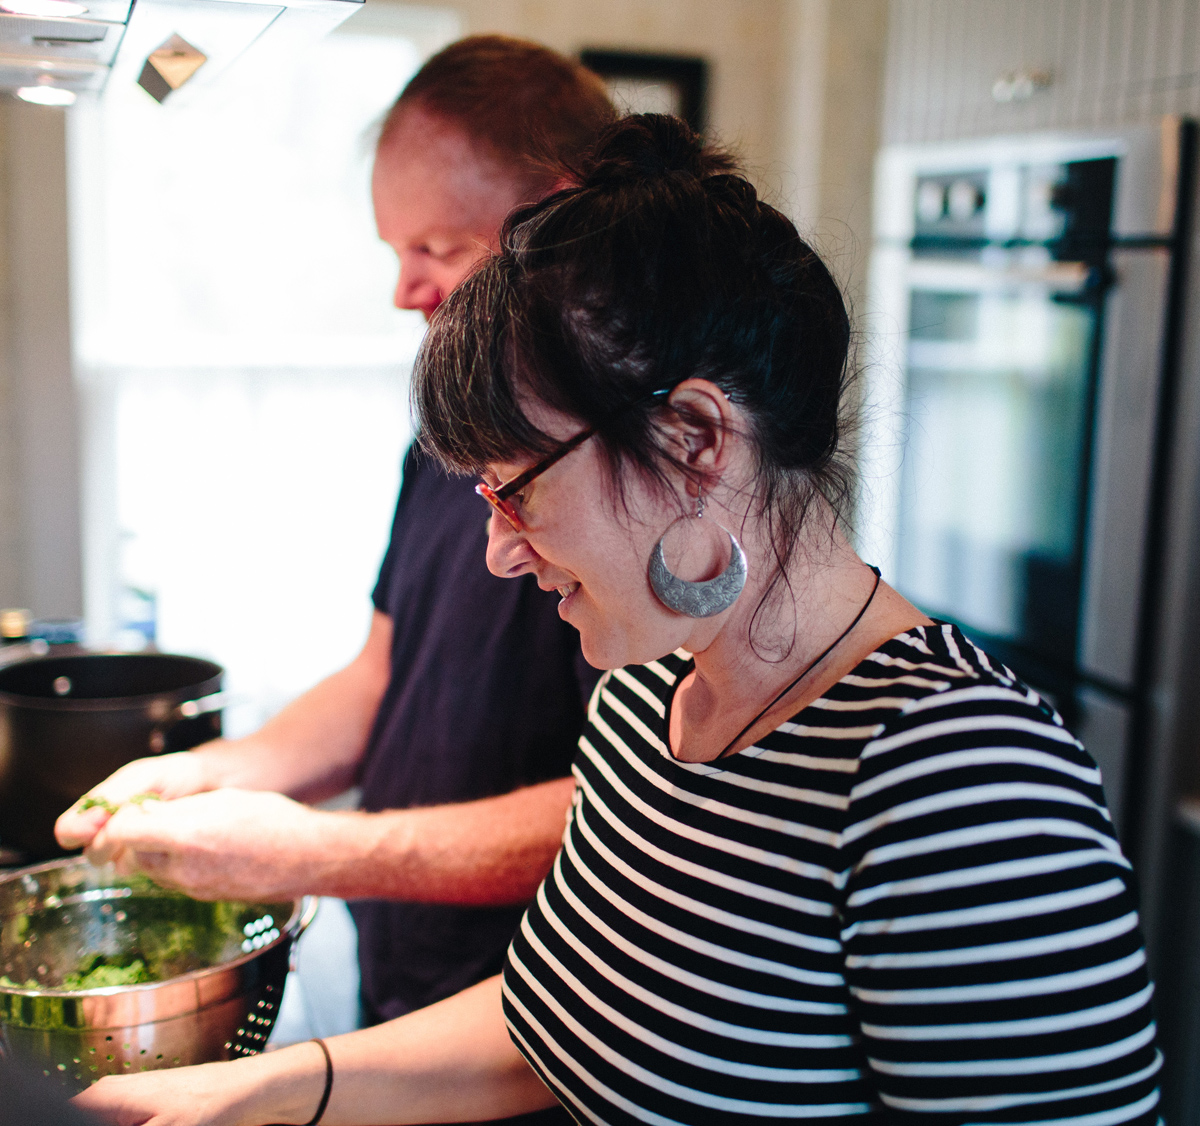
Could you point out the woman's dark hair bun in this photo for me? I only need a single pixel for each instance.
(650, 146)
(655, 263)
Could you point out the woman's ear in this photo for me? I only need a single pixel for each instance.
(701, 429)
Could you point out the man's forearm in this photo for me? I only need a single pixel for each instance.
(309, 751)
(482, 853)
(312, 748)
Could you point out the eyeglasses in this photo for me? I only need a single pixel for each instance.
(498, 498)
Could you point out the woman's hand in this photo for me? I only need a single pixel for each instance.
(452, 1061)
(189, 1096)
(283, 1086)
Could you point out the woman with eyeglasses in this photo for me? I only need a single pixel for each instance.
(827, 860)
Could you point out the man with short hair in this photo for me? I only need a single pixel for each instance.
(459, 717)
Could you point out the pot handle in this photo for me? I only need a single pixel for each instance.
(189, 709)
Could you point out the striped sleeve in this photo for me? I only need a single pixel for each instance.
(990, 936)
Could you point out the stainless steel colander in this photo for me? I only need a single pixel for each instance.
(220, 970)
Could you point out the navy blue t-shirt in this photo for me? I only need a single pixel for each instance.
(487, 693)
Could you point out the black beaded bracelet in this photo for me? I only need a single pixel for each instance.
(328, 1082)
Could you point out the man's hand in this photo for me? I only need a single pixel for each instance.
(168, 776)
(310, 750)
(248, 844)
(223, 844)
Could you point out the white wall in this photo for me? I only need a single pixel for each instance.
(742, 39)
(1109, 61)
(39, 439)
(830, 97)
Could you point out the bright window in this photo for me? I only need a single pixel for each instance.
(243, 372)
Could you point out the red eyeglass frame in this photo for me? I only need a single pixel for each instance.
(498, 498)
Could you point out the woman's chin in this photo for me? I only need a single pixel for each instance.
(604, 647)
(600, 656)
(615, 650)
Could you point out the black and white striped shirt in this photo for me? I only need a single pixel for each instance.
(907, 904)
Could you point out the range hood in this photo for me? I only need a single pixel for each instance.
(96, 41)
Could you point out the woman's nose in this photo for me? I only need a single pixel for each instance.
(508, 552)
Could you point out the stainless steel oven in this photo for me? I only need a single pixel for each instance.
(1018, 380)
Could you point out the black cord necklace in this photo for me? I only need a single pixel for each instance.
(809, 668)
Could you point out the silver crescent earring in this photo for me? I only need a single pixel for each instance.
(702, 599)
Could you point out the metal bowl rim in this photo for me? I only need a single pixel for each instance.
(113, 703)
(302, 906)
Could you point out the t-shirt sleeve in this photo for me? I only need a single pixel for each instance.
(991, 938)
(379, 596)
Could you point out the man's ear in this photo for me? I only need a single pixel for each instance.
(701, 429)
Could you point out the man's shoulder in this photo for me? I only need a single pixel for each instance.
(424, 478)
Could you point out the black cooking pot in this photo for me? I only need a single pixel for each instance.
(67, 722)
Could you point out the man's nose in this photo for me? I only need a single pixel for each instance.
(414, 288)
(508, 552)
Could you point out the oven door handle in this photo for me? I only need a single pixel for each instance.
(1065, 278)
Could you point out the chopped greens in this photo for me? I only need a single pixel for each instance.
(149, 938)
(97, 973)
(94, 801)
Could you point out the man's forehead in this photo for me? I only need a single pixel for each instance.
(422, 153)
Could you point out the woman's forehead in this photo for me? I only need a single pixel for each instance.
(554, 423)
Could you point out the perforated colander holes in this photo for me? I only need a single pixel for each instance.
(259, 933)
